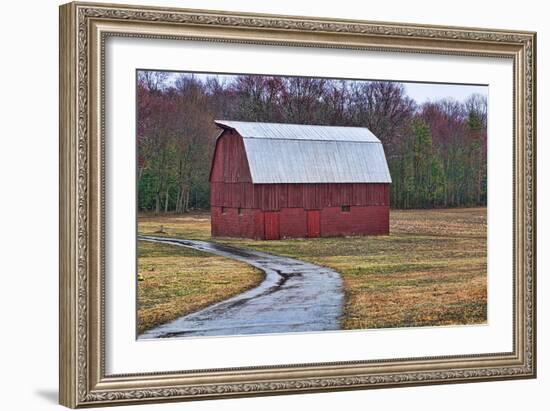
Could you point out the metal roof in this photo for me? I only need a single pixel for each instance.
(295, 153)
(299, 131)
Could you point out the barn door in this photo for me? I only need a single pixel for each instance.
(313, 223)
(271, 222)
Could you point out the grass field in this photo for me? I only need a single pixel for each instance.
(431, 269)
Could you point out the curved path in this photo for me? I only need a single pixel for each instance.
(294, 297)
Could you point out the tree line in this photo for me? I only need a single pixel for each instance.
(436, 151)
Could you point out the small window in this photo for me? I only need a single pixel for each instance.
(240, 211)
(345, 209)
(224, 210)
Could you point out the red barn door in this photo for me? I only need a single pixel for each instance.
(271, 222)
(313, 223)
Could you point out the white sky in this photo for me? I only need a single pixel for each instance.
(420, 92)
(423, 92)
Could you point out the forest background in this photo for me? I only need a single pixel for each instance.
(436, 150)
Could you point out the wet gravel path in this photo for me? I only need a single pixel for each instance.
(294, 297)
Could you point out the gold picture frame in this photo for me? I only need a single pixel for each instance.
(83, 30)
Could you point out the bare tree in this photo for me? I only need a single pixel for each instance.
(152, 80)
(436, 152)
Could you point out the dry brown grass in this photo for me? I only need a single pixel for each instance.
(178, 280)
(430, 271)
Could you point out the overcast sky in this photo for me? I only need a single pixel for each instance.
(420, 92)
(423, 92)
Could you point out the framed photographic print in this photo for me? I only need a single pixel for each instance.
(259, 204)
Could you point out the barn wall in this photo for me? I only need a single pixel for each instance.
(227, 222)
(272, 197)
(361, 220)
(293, 223)
(368, 215)
(229, 163)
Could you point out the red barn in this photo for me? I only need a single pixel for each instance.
(271, 181)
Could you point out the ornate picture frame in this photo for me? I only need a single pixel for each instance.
(84, 29)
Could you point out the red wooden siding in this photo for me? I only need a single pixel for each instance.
(248, 224)
(309, 196)
(372, 220)
(300, 223)
(229, 164)
(293, 223)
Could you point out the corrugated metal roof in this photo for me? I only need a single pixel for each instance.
(294, 153)
(299, 131)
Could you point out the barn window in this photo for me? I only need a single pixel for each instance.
(224, 210)
(346, 209)
(240, 211)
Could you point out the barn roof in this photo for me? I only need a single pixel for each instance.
(296, 153)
